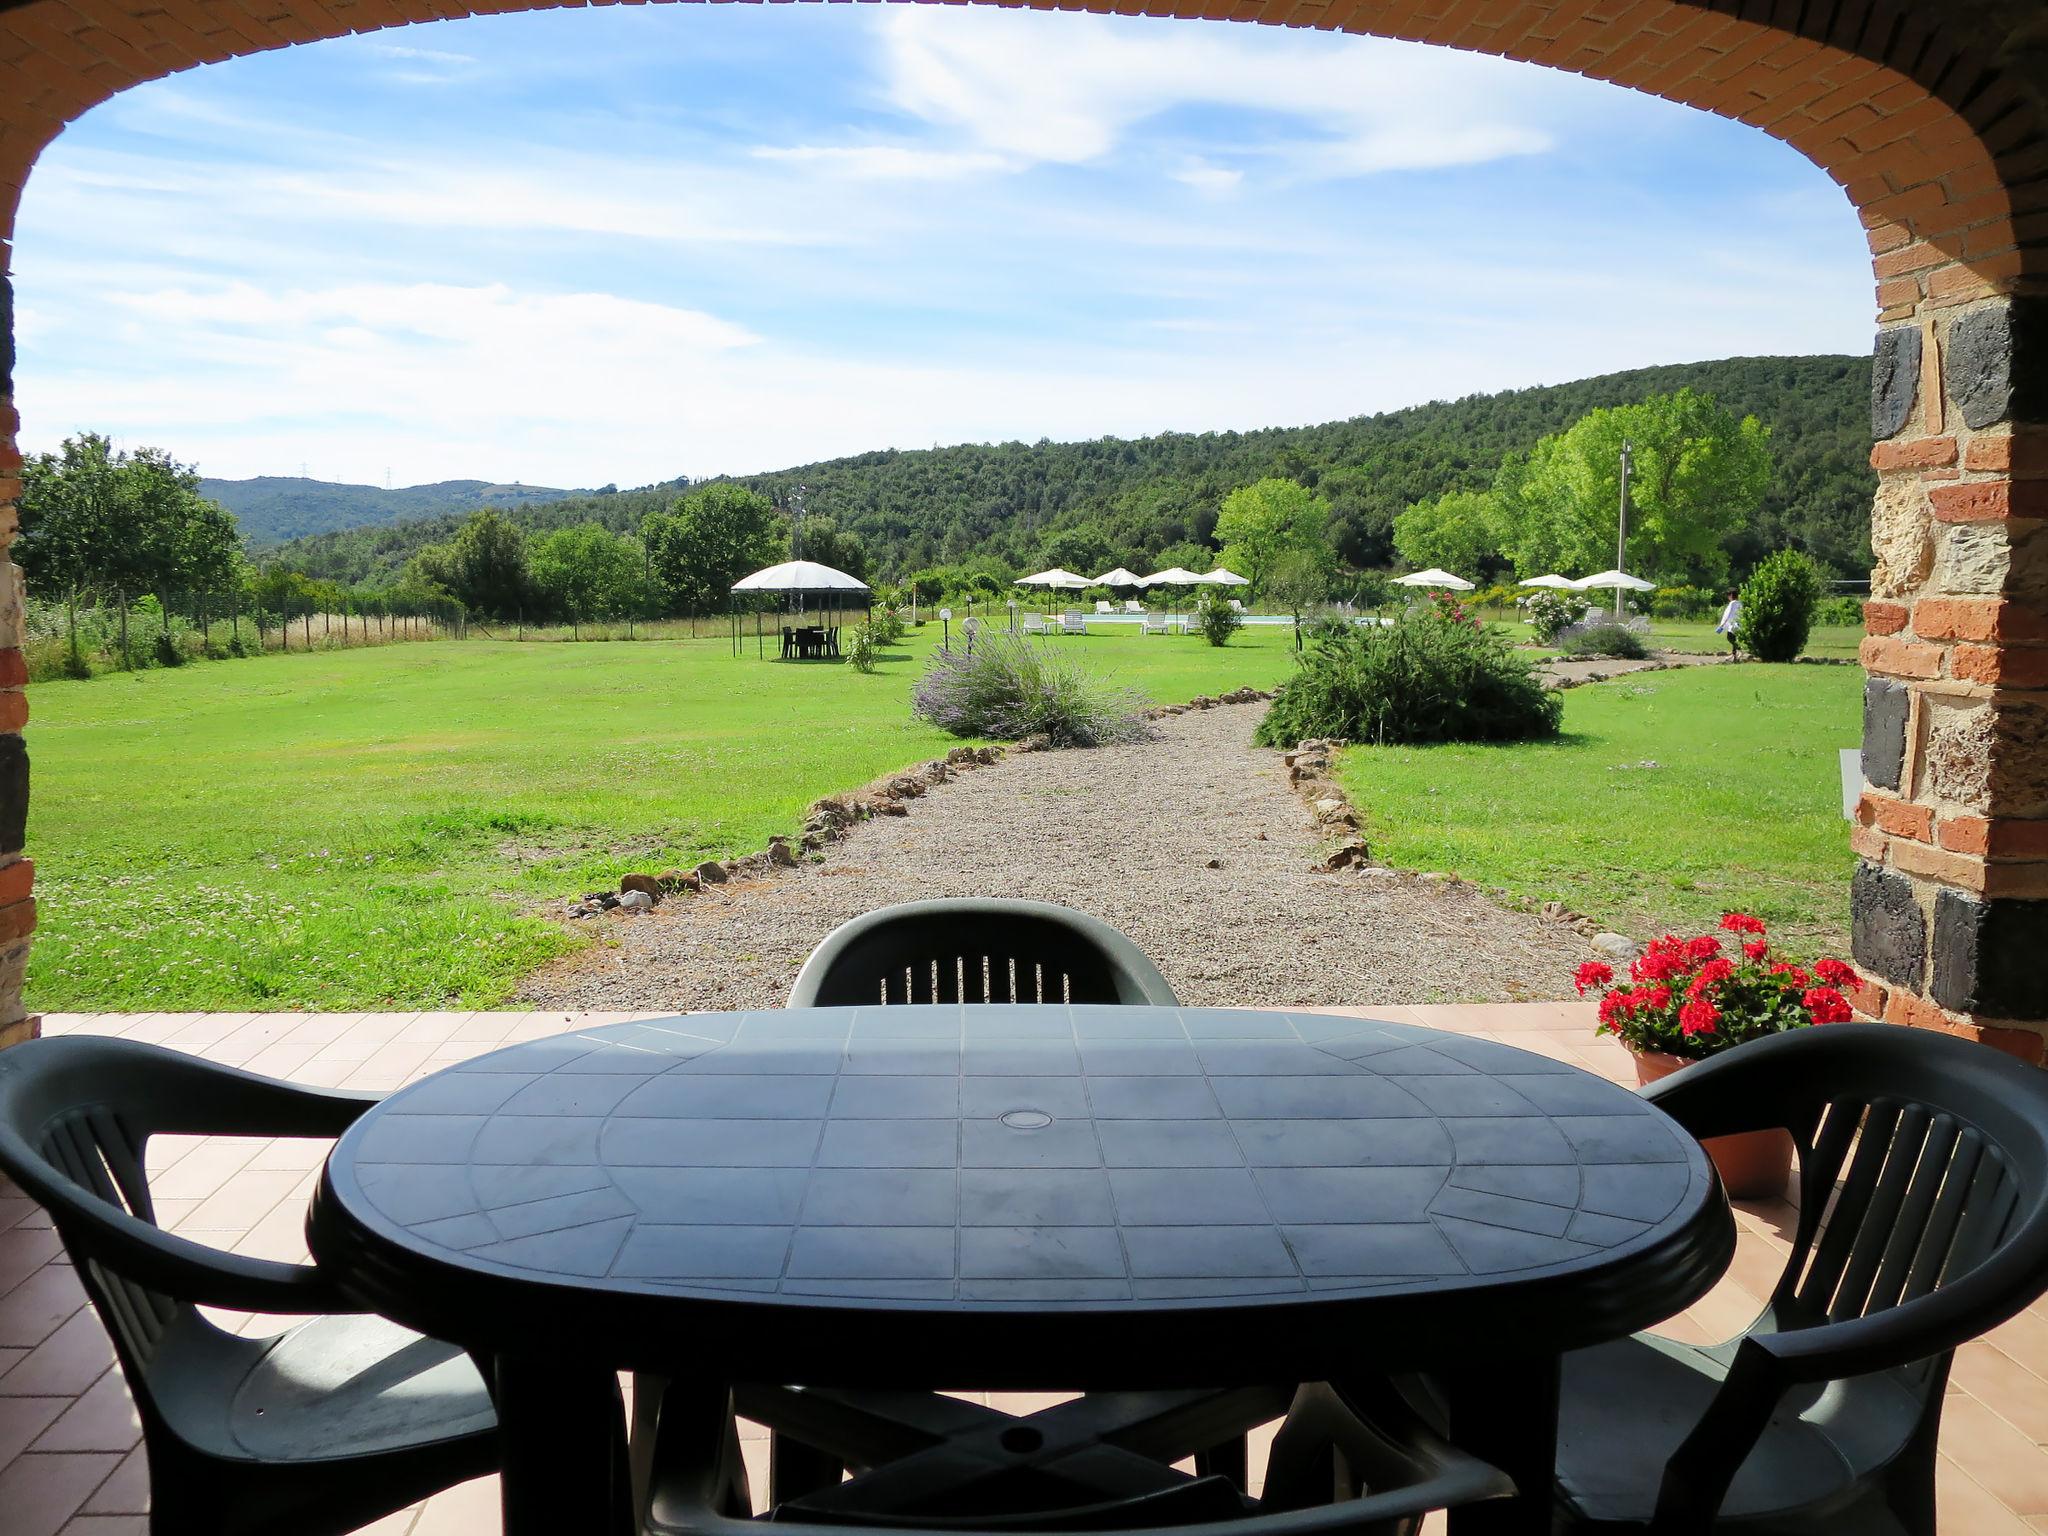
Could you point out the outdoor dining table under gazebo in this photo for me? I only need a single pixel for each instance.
(813, 595)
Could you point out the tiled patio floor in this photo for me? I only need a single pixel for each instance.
(70, 1464)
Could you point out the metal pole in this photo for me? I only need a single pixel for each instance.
(1621, 540)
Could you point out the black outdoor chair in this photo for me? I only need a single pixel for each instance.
(324, 1428)
(1823, 1417)
(977, 950)
(926, 1464)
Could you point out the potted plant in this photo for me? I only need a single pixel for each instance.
(1687, 999)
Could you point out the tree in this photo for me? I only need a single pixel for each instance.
(1084, 550)
(483, 566)
(708, 540)
(1267, 519)
(123, 523)
(1699, 474)
(1457, 532)
(1297, 582)
(587, 572)
(822, 540)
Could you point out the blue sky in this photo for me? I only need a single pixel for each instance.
(624, 244)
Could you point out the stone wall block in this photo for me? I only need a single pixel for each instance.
(1888, 929)
(1901, 538)
(1885, 705)
(1973, 559)
(1979, 357)
(1894, 380)
(13, 601)
(1986, 956)
(1955, 752)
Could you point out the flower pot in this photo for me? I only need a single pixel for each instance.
(1754, 1165)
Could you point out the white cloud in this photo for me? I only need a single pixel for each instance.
(1069, 94)
(884, 162)
(1215, 180)
(425, 55)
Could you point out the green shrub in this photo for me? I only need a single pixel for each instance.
(1839, 610)
(1011, 688)
(860, 648)
(887, 625)
(1605, 640)
(1548, 612)
(1427, 677)
(1684, 603)
(1778, 603)
(1218, 619)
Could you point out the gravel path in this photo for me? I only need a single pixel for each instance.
(1122, 832)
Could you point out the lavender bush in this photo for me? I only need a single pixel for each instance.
(1010, 689)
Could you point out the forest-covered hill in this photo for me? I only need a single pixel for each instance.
(274, 508)
(920, 507)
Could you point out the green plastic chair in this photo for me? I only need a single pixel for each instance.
(977, 950)
(335, 1423)
(1823, 1416)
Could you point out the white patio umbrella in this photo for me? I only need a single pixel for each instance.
(1173, 576)
(1434, 578)
(1223, 578)
(1556, 583)
(1619, 582)
(1056, 579)
(1119, 578)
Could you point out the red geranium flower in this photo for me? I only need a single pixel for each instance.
(1659, 965)
(1698, 1017)
(1704, 947)
(1615, 1008)
(1741, 922)
(1836, 974)
(1593, 973)
(1756, 949)
(1711, 972)
(1827, 1006)
(1795, 974)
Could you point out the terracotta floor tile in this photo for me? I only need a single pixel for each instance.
(24, 1250)
(1965, 1506)
(126, 1492)
(2004, 1386)
(468, 1509)
(24, 1418)
(14, 1209)
(399, 1524)
(243, 1200)
(1996, 1455)
(66, 1363)
(2025, 1338)
(41, 1492)
(204, 1169)
(107, 1525)
(101, 1419)
(31, 1311)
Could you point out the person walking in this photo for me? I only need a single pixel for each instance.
(1731, 621)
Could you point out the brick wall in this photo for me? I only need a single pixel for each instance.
(1932, 115)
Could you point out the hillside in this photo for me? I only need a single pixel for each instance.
(274, 508)
(919, 507)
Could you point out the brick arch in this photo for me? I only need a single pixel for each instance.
(1932, 115)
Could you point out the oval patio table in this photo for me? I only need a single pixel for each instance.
(1017, 1197)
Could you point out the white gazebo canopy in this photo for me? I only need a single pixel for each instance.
(1173, 576)
(1055, 578)
(1618, 580)
(1222, 578)
(1434, 578)
(799, 576)
(1119, 578)
(1556, 583)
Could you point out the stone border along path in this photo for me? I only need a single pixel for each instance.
(1193, 844)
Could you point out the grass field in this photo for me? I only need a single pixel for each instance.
(373, 828)
(1671, 798)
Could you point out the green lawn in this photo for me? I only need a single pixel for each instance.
(1671, 798)
(374, 828)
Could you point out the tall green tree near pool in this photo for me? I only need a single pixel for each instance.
(1263, 521)
(1458, 532)
(588, 572)
(822, 540)
(1700, 474)
(708, 540)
